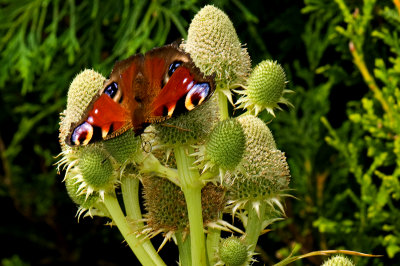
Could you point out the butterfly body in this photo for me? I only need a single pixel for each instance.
(142, 90)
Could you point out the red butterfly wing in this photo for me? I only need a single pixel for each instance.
(109, 113)
(180, 84)
(142, 90)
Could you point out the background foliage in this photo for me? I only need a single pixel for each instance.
(341, 139)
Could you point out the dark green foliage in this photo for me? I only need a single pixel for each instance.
(368, 144)
(348, 186)
(348, 195)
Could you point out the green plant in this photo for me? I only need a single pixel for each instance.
(349, 195)
(44, 44)
(241, 184)
(368, 142)
(314, 78)
(238, 168)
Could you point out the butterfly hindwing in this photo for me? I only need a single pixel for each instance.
(182, 87)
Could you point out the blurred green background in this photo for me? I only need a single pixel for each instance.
(342, 59)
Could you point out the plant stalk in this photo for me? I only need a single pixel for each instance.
(130, 194)
(191, 187)
(150, 164)
(223, 105)
(111, 202)
(213, 238)
(254, 225)
(185, 258)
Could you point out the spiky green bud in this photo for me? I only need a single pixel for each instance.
(264, 172)
(166, 206)
(338, 260)
(233, 252)
(81, 91)
(226, 144)
(213, 201)
(96, 168)
(265, 88)
(75, 193)
(214, 46)
(263, 181)
(187, 128)
(123, 147)
(266, 83)
(257, 134)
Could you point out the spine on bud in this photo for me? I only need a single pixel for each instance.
(76, 194)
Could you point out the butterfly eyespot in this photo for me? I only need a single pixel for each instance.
(173, 67)
(197, 94)
(82, 134)
(111, 90)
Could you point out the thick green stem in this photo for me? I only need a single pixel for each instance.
(223, 105)
(193, 201)
(191, 187)
(185, 258)
(111, 202)
(150, 164)
(213, 238)
(254, 225)
(130, 194)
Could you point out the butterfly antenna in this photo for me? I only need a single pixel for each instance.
(173, 126)
(105, 159)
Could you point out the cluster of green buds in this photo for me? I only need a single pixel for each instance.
(203, 164)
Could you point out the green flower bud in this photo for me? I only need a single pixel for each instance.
(262, 179)
(214, 46)
(213, 201)
(187, 128)
(166, 206)
(96, 168)
(226, 144)
(233, 252)
(338, 260)
(123, 147)
(265, 89)
(75, 193)
(264, 173)
(257, 134)
(81, 91)
(266, 83)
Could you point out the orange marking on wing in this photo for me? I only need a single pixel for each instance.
(178, 85)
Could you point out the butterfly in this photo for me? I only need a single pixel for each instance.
(142, 90)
